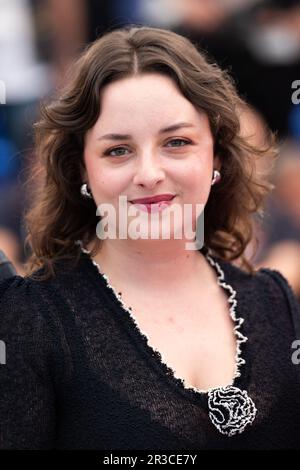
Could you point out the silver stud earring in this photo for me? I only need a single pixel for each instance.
(85, 191)
(216, 177)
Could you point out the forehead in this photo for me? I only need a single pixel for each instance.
(145, 98)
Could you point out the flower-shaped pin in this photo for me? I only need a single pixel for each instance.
(230, 409)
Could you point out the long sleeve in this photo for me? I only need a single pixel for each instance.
(27, 400)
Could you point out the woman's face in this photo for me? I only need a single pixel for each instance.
(159, 144)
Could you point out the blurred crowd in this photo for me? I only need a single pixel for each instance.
(257, 41)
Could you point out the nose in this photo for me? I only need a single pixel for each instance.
(148, 171)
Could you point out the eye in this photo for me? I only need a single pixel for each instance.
(183, 142)
(119, 151)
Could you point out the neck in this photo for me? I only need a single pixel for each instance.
(153, 264)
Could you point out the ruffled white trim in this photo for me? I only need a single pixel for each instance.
(240, 338)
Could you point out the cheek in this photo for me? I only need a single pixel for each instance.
(196, 180)
(106, 183)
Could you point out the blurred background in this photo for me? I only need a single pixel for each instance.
(257, 41)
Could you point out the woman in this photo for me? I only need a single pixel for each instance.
(133, 342)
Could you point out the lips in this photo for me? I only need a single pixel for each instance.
(153, 199)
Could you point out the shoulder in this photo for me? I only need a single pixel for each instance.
(16, 291)
(277, 285)
(280, 294)
(35, 299)
(266, 290)
(23, 309)
(29, 318)
(277, 288)
(266, 280)
(40, 284)
(21, 292)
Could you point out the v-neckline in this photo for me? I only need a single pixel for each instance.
(142, 341)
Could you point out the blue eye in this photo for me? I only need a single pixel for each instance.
(117, 149)
(120, 150)
(185, 142)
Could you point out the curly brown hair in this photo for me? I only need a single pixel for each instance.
(58, 215)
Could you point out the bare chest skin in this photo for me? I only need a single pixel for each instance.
(192, 330)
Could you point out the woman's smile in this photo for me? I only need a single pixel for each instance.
(153, 207)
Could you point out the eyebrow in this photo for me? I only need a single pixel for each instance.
(171, 128)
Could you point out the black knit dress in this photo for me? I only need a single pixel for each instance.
(80, 374)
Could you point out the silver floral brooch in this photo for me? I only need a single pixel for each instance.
(230, 409)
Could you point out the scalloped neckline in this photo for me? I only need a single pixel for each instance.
(155, 354)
